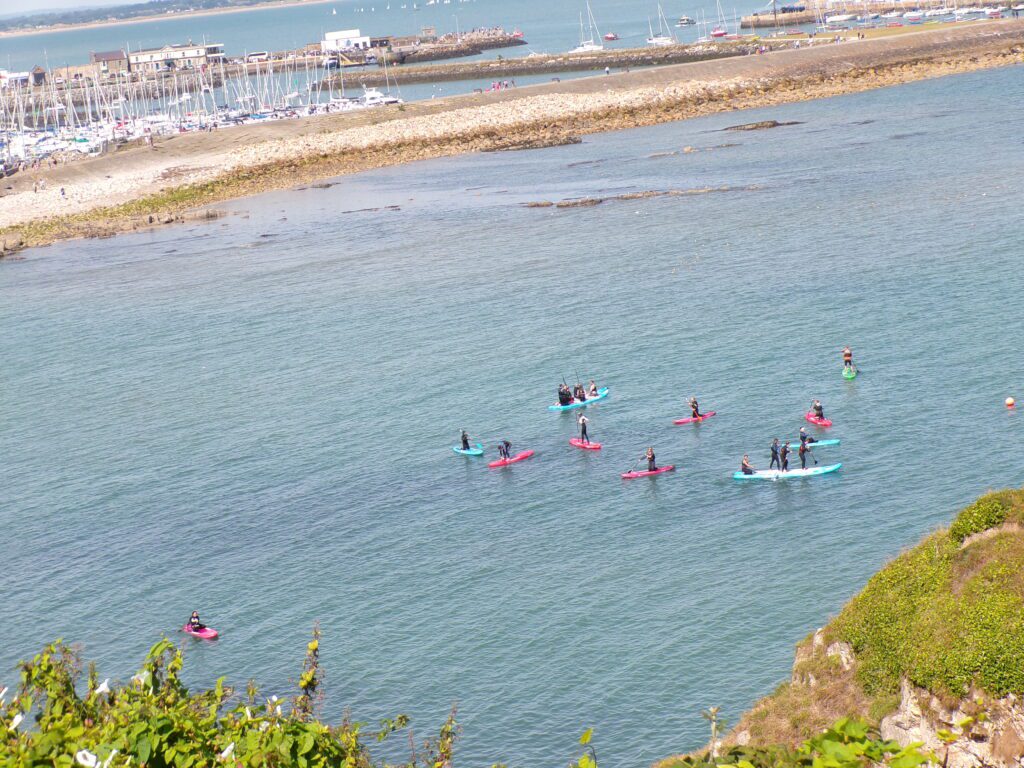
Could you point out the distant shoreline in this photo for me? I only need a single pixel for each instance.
(25, 32)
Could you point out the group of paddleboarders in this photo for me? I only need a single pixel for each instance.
(780, 453)
(578, 393)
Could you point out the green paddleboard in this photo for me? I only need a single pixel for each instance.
(849, 373)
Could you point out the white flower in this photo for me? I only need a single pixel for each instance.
(264, 725)
(142, 678)
(103, 687)
(248, 714)
(3, 693)
(16, 722)
(273, 699)
(109, 759)
(227, 751)
(86, 758)
(277, 710)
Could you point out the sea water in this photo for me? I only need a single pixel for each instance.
(253, 417)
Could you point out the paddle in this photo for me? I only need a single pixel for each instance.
(628, 471)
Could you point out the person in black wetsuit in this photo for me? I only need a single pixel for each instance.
(817, 410)
(774, 463)
(784, 458)
(695, 408)
(806, 438)
(583, 421)
(504, 449)
(465, 440)
(651, 463)
(805, 451)
(578, 393)
(564, 396)
(745, 466)
(194, 623)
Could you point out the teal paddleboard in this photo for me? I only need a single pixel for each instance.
(774, 474)
(816, 444)
(478, 451)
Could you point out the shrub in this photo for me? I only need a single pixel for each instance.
(987, 512)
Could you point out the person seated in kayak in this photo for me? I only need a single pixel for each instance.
(806, 438)
(564, 396)
(804, 451)
(695, 408)
(505, 449)
(817, 410)
(652, 465)
(194, 623)
(774, 463)
(746, 467)
(847, 358)
(592, 389)
(465, 440)
(583, 421)
(784, 457)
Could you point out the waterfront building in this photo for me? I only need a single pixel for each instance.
(109, 62)
(176, 57)
(344, 40)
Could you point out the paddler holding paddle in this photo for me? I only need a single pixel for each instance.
(583, 421)
(465, 440)
(651, 463)
(847, 358)
(817, 410)
(695, 408)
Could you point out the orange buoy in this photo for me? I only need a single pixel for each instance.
(1010, 402)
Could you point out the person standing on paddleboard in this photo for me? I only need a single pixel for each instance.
(805, 451)
(847, 358)
(806, 438)
(505, 449)
(774, 463)
(465, 440)
(784, 458)
(651, 463)
(695, 408)
(817, 410)
(583, 421)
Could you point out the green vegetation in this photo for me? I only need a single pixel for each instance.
(944, 616)
(154, 721)
(849, 743)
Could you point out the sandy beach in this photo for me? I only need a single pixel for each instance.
(155, 17)
(140, 187)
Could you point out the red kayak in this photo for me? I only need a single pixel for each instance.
(505, 462)
(648, 473)
(585, 446)
(695, 419)
(816, 421)
(206, 633)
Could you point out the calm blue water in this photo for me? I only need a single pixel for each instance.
(549, 27)
(252, 417)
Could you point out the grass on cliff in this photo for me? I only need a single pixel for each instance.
(944, 615)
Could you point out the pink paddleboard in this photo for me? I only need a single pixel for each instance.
(206, 633)
(646, 473)
(585, 446)
(505, 462)
(816, 421)
(695, 420)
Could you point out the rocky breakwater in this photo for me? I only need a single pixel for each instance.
(930, 652)
(619, 59)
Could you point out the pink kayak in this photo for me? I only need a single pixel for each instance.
(648, 473)
(816, 421)
(695, 419)
(505, 462)
(206, 633)
(585, 446)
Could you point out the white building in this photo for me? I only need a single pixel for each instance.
(344, 40)
(12, 79)
(172, 57)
